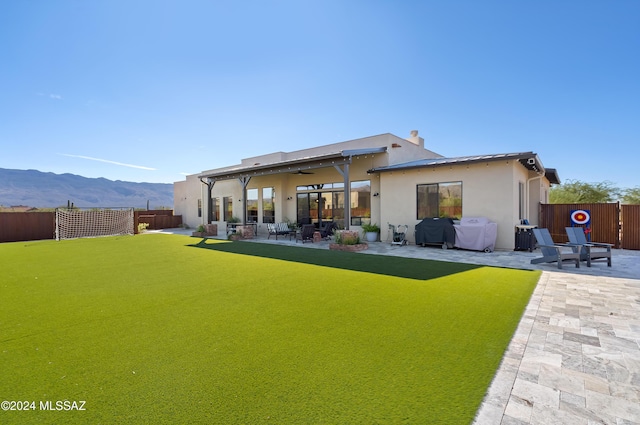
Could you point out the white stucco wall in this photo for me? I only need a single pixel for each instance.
(488, 190)
(185, 200)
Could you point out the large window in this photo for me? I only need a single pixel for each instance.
(227, 205)
(439, 200)
(268, 205)
(360, 202)
(215, 209)
(325, 202)
(252, 205)
(338, 207)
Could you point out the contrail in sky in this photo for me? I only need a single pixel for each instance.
(108, 162)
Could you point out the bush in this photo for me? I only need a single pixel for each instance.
(374, 228)
(347, 237)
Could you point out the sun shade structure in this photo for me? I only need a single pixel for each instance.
(338, 160)
(291, 166)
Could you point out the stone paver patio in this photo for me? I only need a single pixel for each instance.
(575, 357)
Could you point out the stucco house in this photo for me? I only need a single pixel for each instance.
(383, 179)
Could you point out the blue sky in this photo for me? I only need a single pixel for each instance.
(149, 90)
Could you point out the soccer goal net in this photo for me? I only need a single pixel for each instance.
(75, 223)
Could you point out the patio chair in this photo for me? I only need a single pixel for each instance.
(553, 252)
(590, 250)
(328, 230)
(306, 233)
(278, 229)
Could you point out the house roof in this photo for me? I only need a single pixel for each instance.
(552, 175)
(529, 160)
(290, 166)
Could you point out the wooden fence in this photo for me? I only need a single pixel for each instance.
(611, 223)
(157, 219)
(630, 226)
(37, 225)
(27, 226)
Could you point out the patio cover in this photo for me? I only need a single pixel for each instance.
(339, 160)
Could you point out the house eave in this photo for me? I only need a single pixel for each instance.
(291, 166)
(529, 160)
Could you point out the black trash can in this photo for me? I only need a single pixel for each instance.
(525, 241)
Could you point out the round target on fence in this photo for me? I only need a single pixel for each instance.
(580, 217)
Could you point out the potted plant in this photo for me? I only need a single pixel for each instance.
(371, 232)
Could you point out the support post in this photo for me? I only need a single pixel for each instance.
(347, 193)
(209, 183)
(244, 181)
(210, 201)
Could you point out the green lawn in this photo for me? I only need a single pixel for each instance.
(167, 329)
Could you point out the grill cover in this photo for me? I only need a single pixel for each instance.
(436, 231)
(476, 233)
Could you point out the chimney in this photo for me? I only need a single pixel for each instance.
(415, 139)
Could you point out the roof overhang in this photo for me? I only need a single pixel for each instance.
(290, 166)
(529, 160)
(552, 175)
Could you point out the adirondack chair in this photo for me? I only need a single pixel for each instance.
(553, 252)
(306, 233)
(590, 250)
(328, 230)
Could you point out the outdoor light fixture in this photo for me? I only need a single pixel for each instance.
(376, 194)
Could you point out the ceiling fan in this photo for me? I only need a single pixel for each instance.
(300, 172)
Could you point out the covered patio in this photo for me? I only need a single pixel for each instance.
(324, 185)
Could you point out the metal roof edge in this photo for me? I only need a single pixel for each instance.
(552, 175)
(457, 160)
(347, 153)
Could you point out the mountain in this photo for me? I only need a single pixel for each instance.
(48, 190)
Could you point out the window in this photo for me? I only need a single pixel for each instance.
(439, 200)
(338, 207)
(215, 209)
(199, 207)
(252, 205)
(360, 202)
(317, 203)
(227, 205)
(268, 205)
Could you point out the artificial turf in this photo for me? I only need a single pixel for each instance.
(168, 329)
